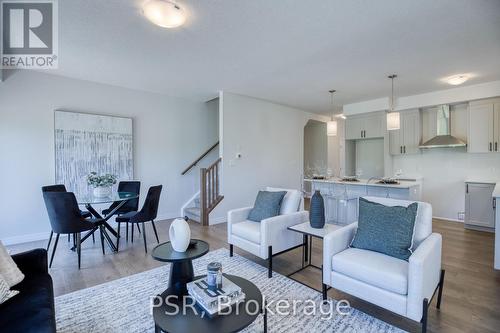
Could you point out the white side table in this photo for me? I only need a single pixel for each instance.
(310, 232)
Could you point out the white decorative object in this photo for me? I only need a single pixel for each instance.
(180, 235)
(102, 192)
(8, 268)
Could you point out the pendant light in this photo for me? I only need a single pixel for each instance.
(331, 126)
(393, 121)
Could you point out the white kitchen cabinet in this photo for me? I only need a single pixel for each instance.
(406, 140)
(484, 127)
(479, 205)
(366, 126)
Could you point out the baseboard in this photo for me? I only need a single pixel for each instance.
(26, 238)
(447, 219)
(217, 220)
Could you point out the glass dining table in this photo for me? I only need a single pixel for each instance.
(88, 199)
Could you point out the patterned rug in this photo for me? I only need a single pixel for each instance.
(123, 305)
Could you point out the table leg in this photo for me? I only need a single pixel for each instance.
(310, 249)
(304, 248)
(180, 274)
(265, 316)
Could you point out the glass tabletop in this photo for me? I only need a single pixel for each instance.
(89, 198)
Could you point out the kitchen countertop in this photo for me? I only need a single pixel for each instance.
(364, 182)
(481, 181)
(496, 191)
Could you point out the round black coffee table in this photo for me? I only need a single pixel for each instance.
(181, 270)
(170, 317)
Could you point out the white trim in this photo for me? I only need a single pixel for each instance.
(188, 203)
(218, 220)
(26, 238)
(447, 219)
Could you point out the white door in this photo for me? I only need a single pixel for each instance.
(410, 121)
(481, 136)
(479, 205)
(353, 128)
(373, 125)
(496, 127)
(395, 142)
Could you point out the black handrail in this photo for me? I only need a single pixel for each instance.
(192, 165)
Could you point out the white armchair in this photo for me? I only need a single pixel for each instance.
(403, 287)
(270, 236)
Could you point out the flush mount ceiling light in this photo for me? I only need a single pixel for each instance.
(331, 126)
(165, 13)
(393, 121)
(456, 80)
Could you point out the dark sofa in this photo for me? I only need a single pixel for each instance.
(32, 310)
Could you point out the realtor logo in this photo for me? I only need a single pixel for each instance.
(29, 34)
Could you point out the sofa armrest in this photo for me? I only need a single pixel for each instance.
(274, 231)
(235, 216)
(333, 243)
(32, 262)
(424, 271)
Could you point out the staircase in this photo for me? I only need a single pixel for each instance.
(209, 195)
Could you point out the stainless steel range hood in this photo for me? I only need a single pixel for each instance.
(443, 139)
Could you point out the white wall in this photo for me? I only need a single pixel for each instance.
(447, 96)
(169, 133)
(315, 147)
(445, 170)
(270, 138)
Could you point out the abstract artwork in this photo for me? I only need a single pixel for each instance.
(88, 142)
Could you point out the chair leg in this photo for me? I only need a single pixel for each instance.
(68, 238)
(425, 307)
(440, 292)
(132, 235)
(118, 237)
(324, 294)
(270, 262)
(138, 228)
(230, 250)
(93, 238)
(102, 240)
(126, 231)
(156, 233)
(50, 240)
(144, 235)
(54, 250)
(79, 248)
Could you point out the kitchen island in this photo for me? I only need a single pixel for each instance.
(341, 197)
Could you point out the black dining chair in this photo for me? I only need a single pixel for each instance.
(65, 218)
(148, 213)
(129, 206)
(62, 188)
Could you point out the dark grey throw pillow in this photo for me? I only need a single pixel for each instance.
(385, 229)
(267, 204)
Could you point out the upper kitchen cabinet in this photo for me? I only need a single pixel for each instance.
(366, 126)
(484, 126)
(406, 140)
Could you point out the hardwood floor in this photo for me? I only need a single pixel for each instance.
(471, 297)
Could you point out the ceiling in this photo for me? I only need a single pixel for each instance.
(288, 51)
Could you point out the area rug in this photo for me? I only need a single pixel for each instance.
(123, 305)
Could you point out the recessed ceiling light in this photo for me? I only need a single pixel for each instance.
(455, 80)
(165, 13)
